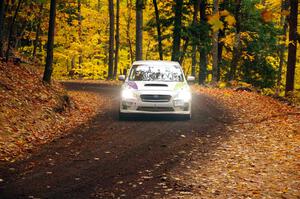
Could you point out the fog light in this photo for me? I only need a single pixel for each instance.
(128, 103)
(178, 103)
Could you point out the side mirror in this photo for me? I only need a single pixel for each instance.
(190, 78)
(122, 78)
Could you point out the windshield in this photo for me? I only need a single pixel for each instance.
(171, 73)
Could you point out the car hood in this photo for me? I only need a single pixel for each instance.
(155, 85)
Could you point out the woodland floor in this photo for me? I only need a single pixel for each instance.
(237, 145)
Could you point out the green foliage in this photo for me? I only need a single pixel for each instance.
(260, 34)
(260, 71)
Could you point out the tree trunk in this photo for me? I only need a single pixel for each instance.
(10, 34)
(49, 58)
(187, 40)
(129, 8)
(194, 60)
(194, 45)
(147, 48)
(220, 50)
(159, 38)
(37, 33)
(111, 39)
(203, 66)
(117, 39)
(139, 30)
(185, 46)
(2, 16)
(215, 46)
(18, 35)
(73, 63)
(237, 43)
(202, 46)
(177, 30)
(223, 6)
(79, 32)
(291, 65)
(282, 49)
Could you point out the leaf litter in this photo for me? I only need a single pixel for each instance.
(33, 114)
(259, 159)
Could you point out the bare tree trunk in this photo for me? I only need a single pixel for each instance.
(10, 34)
(37, 33)
(117, 38)
(159, 38)
(111, 39)
(2, 16)
(194, 45)
(49, 58)
(291, 65)
(139, 29)
(202, 46)
(177, 30)
(129, 8)
(215, 46)
(284, 23)
(237, 43)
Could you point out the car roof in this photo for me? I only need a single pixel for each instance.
(156, 62)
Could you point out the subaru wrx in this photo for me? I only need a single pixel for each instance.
(155, 87)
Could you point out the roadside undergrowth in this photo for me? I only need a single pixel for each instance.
(33, 113)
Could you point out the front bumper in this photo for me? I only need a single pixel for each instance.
(171, 107)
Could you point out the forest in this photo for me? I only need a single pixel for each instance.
(220, 42)
(61, 131)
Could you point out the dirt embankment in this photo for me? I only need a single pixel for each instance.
(32, 113)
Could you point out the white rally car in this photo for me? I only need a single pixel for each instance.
(155, 87)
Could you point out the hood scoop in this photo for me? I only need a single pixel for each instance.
(157, 85)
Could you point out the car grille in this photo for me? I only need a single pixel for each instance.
(155, 109)
(159, 85)
(155, 98)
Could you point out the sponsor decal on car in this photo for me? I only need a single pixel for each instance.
(132, 85)
(179, 86)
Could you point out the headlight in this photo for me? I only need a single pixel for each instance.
(127, 94)
(184, 95)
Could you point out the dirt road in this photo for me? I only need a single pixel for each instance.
(108, 158)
